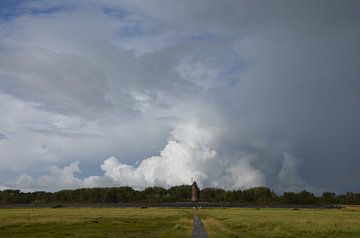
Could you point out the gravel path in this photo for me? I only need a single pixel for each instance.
(199, 230)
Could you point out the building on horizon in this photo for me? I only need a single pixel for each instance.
(195, 193)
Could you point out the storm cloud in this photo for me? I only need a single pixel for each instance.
(236, 94)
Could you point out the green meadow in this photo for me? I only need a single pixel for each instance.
(271, 223)
(176, 222)
(95, 222)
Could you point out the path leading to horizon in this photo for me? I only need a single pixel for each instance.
(199, 230)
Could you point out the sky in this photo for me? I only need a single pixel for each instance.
(235, 94)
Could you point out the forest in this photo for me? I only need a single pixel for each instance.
(182, 193)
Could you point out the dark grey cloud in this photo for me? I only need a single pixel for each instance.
(249, 92)
(3, 137)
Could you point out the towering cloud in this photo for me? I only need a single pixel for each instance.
(190, 152)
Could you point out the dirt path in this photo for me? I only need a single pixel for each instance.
(199, 230)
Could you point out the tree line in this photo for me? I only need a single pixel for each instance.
(182, 193)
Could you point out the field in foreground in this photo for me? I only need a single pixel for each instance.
(95, 222)
(271, 223)
(177, 222)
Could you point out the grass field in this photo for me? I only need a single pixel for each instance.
(95, 222)
(176, 222)
(271, 223)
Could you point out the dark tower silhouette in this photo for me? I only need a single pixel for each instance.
(195, 193)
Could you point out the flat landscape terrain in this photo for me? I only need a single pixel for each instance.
(95, 222)
(178, 222)
(274, 222)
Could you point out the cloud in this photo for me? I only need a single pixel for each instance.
(57, 179)
(83, 82)
(189, 153)
(288, 177)
(3, 137)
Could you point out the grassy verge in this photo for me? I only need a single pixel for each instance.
(271, 223)
(95, 222)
